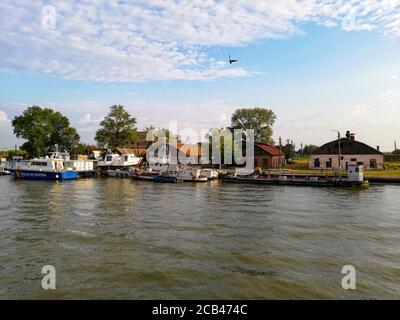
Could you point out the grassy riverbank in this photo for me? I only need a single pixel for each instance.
(300, 165)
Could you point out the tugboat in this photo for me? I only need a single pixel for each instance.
(353, 178)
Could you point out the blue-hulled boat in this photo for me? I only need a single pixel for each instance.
(48, 168)
(167, 177)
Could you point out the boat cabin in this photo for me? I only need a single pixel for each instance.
(45, 164)
(121, 158)
(355, 173)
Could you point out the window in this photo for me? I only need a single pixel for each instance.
(109, 158)
(353, 160)
(126, 158)
(265, 163)
(316, 163)
(329, 163)
(360, 163)
(372, 164)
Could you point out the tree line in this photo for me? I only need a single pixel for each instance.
(43, 128)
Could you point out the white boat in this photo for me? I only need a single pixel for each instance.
(124, 159)
(190, 174)
(3, 170)
(210, 174)
(181, 172)
(48, 168)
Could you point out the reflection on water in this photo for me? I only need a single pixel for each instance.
(118, 238)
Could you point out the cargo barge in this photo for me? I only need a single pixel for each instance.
(353, 178)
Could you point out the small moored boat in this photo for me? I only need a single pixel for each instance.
(3, 170)
(209, 173)
(145, 175)
(119, 173)
(190, 174)
(168, 177)
(123, 159)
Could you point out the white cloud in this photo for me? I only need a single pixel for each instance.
(159, 40)
(388, 93)
(4, 119)
(87, 119)
(394, 76)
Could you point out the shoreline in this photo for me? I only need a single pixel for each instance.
(383, 179)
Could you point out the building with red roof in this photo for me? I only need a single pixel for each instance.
(267, 156)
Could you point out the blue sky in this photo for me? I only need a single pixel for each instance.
(320, 65)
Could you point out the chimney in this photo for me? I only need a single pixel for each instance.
(348, 134)
(377, 148)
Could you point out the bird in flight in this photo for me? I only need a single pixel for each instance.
(231, 60)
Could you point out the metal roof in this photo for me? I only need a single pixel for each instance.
(347, 146)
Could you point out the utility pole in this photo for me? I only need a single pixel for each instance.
(339, 153)
(302, 150)
(280, 152)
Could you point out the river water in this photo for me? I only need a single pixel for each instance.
(123, 239)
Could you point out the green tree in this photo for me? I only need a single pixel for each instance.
(8, 154)
(44, 128)
(307, 150)
(289, 151)
(118, 129)
(260, 120)
(160, 132)
(82, 148)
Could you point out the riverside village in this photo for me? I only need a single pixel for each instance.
(243, 153)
